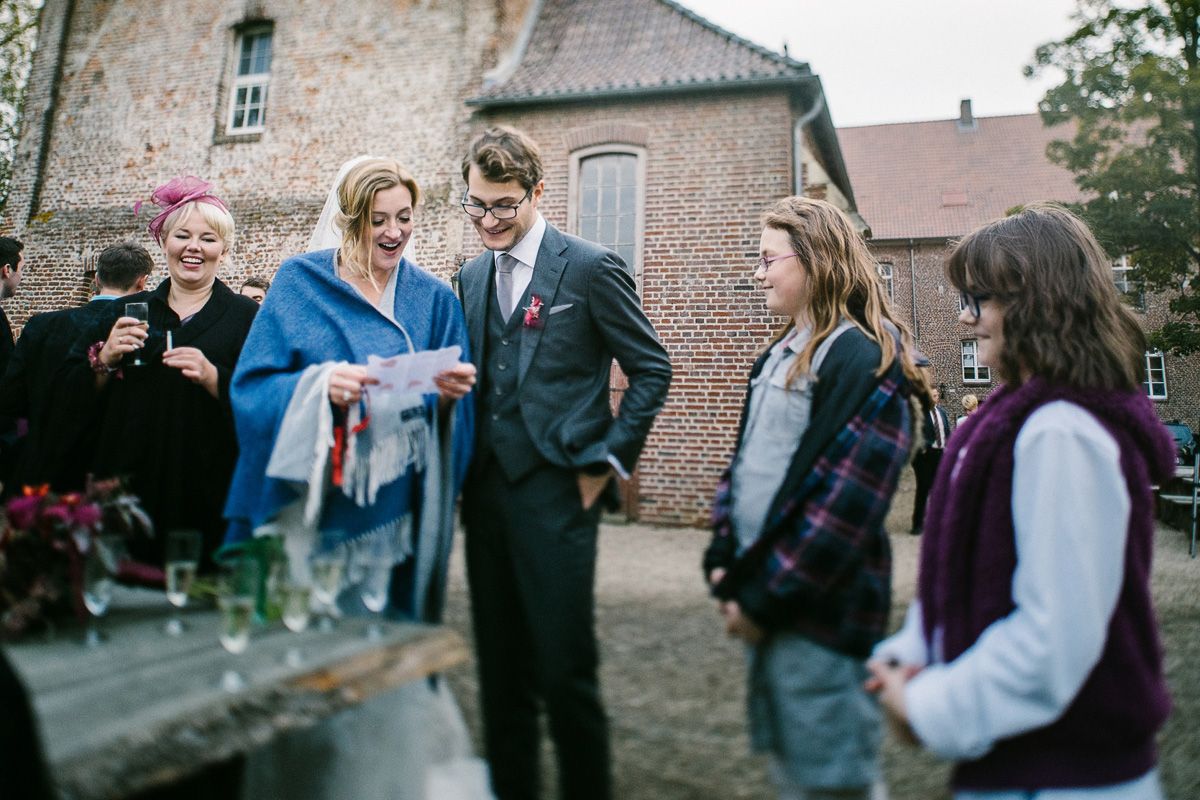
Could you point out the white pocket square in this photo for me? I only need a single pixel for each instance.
(564, 307)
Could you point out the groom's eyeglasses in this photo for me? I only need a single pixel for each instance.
(479, 211)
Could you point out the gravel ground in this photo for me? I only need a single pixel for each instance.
(674, 684)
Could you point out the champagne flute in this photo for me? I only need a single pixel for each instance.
(237, 590)
(182, 558)
(140, 312)
(327, 571)
(99, 573)
(295, 599)
(374, 568)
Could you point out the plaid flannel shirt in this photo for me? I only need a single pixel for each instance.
(822, 566)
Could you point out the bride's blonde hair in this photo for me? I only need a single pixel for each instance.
(356, 196)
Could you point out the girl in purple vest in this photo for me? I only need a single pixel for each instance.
(1031, 656)
(800, 562)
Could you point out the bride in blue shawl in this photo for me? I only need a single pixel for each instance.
(332, 463)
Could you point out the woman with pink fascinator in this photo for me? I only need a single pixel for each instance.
(156, 392)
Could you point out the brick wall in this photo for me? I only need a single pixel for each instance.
(141, 100)
(940, 334)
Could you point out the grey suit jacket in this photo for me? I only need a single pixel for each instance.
(590, 314)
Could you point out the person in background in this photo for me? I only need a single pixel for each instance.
(22, 760)
(1031, 656)
(255, 288)
(799, 561)
(935, 430)
(547, 313)
(12, 263)
(167, 424)
(969, 403)
(55, 449)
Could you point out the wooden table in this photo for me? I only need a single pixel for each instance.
(145, 709)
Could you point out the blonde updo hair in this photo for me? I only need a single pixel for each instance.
(217, 218)
(969, 403)
(356, 196)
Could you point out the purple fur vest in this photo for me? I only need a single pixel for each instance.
(968, 556)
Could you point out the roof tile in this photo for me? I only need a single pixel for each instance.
(590, 47)
(933, 179)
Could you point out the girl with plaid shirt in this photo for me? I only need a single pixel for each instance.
(800, 562)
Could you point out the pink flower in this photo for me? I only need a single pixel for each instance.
(23, 511)
(533, 311)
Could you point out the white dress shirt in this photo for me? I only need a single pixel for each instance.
(525, 252)
(1070, 511)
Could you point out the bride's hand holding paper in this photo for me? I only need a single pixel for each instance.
(454, 383)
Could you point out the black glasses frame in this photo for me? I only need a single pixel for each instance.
(479, 210)
(972, 302)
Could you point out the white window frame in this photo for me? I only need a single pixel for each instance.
(976, 373)
(639, 226)
(1155, 364)
(261, 80)
(886, 272)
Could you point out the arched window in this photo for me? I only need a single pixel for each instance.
(251, 78)
(606, 200)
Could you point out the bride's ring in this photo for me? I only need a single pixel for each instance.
(345, 395)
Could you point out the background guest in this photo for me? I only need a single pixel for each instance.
(255, 288)
(55, 450)
(969, 403)
(12, 263)
(935, 429)
(1031, 656)
(799, 560)
(168, 424)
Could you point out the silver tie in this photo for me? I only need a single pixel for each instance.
(504, 283)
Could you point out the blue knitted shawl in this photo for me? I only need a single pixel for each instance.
(311, 317)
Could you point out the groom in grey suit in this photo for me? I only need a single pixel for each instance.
(546, 313)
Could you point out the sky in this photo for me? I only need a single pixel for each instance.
(905, 60)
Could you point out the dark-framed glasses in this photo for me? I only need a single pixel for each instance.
(765, 263)
(971, 302)
(500, 211)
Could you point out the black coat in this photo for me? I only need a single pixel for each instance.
(52, 451)
(172, 439)
(22, 765)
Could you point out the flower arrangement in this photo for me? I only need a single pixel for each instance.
(533, 312)
(45, 539)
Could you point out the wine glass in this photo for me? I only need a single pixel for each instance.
(237, 590)
(140, 312)
(373, 566)
(182, 558)
(295, 600)
(327, 569)
(99, 574)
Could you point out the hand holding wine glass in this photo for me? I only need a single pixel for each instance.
(182, 558)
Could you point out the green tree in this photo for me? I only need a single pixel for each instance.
(1131, 85)
(18, 34)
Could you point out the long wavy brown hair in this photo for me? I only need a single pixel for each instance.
(843, 283)
(1063, 319)
(356, 195)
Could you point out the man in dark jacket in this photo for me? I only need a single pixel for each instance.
(935, 430)
(55, 449)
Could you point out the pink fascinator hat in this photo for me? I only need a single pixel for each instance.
(175, 194)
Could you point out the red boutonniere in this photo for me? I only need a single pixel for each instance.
(533, 312)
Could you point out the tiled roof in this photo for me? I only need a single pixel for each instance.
(589, 48)
(933, 179)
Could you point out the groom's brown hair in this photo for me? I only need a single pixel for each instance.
(504, 154)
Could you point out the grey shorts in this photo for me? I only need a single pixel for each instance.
(808, 709)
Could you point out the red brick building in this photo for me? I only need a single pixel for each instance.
(664, 137)
(922, 185)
